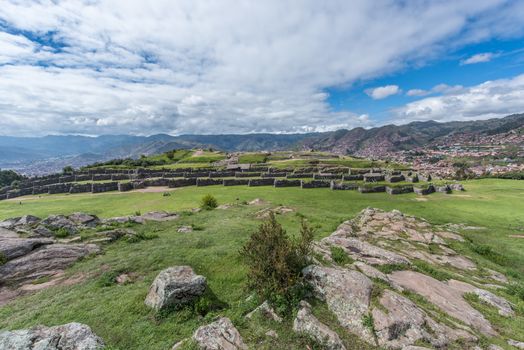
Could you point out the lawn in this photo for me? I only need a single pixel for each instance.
(117, 312)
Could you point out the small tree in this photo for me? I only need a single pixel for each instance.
(68, 169)
(275, 262)
(208, 202)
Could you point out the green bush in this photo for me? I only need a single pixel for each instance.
(275, 263)
(208, 202)
(339, 256)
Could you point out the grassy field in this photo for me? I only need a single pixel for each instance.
(117, 312)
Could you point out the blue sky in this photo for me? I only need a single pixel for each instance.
(238, 66)
(505, 59)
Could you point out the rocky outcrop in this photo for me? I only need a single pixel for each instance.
(12, 248)
(347, 294)
(71, 336)
(219, 335)
(399, 323)
(175, 286)
(45, 261)
(307, 323)
(447, 298)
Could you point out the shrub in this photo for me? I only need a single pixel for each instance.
(339, 256)
(275, 263)
(208, 202)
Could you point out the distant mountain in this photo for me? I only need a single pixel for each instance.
(50, 153)
(379, 141)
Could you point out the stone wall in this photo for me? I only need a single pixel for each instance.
(86, 177)
(353, 177)
(343, 186)
(395, 178)
(104, 187)
(424, 190)
(247, 174)
(116, 177)
(222, 174)
(373, 177)
(300, 176)
(275, 174)
(261, 182)
(287, 183)
(208, 181)
(182, 182)
(125, 186)
(235, 182)
(81, 188)
(196, 174)
(101, 177)
(59, 188)
(443, 189)
(327, 176)
(371, 189)
(315, 184)
(399, 189)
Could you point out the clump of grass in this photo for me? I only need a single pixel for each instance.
(3, 259)
(141, 236)
(428, 269)
(487, 252)
(61, 233)
(367, 321)
(138, 213)
(340, 256)
(208, 202)
(389, 268)
(516, 289)
(41, 280)
(108, 278)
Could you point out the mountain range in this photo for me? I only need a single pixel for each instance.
(34, 155)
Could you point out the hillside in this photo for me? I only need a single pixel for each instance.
(390, 138)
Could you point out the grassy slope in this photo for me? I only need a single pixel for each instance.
(117, 313)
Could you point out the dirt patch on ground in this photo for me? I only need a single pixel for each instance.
(155, 189)
(8, 294)
(421, 199)
(516, 236)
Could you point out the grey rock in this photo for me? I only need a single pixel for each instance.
(175, 286)
(307, 323)
(447, 298)
(28, 220)
(9, 223)
(347, 294)
(267, 311)
(12, 248)
(84, 219)
(42, 231)
(71, 336)
(219, 335)
(517, 344)
(403, 324)
(57, 222)
(44, 261)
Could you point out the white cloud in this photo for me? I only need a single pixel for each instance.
(202, 66)
(479, 58)
(490, 99)
(417, 92)
(381, 92)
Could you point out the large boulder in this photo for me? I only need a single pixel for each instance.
(12, 248)
(399, 323)
(307, 323)
(44, 261)
(28, 220)
(219, 335)
(60, 222)
(347, 294)
(447, 298)
(71, 336)
(175, 286)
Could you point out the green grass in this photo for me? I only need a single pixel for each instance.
(252, 158)
(118, 314)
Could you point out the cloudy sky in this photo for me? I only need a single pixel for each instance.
(197, 66)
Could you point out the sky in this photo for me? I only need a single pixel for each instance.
(281, 66)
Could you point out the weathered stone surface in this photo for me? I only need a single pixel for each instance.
(42, 231)
(347, 294)
(219, 335)
(365, 251)
(71, 336)
(267, 311)
(445, 297)
(12, 248)
(404, 324)
(57, 222)
(116, 234)
(157, 216)
(175, 286)
(28, 220)
(45, 261)
(372, 272)
(5, 233)
(84, 219)
(500, 303)
(185, 229)
(307, 323)
(517, 344)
